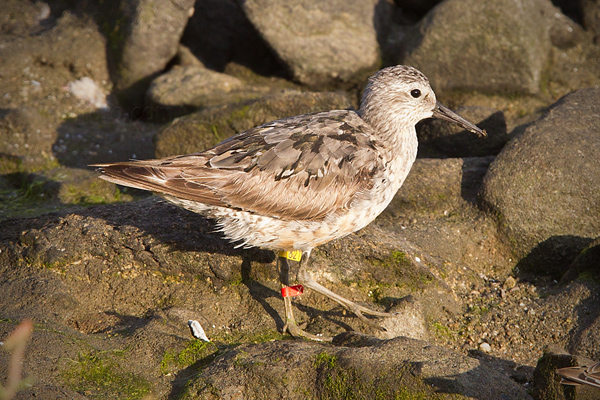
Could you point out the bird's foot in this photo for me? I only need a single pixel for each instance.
(349, 305)
(293, 329)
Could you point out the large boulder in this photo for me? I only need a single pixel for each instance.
(543, 186)
(189, 87)
(146, 44)
(359, 367)
(322, 43)
(488, 46)
(206, 128)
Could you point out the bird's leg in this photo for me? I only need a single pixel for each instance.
(305, 279)
(290, 322)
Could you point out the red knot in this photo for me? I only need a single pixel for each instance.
(298, 182)
(581, 375)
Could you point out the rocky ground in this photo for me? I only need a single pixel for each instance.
(489, 253)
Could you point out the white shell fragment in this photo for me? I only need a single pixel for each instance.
(87, 90)
(197, 330)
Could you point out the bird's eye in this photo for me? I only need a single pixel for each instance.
(415, 93)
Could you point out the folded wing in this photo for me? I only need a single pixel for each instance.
(303, 167)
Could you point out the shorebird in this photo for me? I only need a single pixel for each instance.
(582, 375)
(293, 184)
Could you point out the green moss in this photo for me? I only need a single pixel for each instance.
(236, 339)
(441, 330)
(395, 270)
(335, 381)
(100, 376)
(241, 113)
(196, 350)
(377, 294)
(324, 359)
(203, 353)
(93, 193)
(215, 131)
(479, 310)
(588, 276)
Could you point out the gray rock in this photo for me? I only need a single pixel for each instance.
(441, 139)
(564, 32)
(27, 134)
(359, 367)
(206, 128)
(186, 57)
(438, 187)
(410, 321)
(322, 43)
(186, 88)
(542, 186)
(586, 341)
(500, 46)
(435, 209)
(591, 16)
(147, 44)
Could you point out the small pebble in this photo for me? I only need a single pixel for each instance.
(485, 347)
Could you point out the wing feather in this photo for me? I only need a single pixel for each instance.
(303, 167)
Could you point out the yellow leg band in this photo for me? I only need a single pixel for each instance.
(295, 255)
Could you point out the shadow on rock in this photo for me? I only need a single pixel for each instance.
(552, 256)
(104, 136)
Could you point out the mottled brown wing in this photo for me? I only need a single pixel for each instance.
(303, 167)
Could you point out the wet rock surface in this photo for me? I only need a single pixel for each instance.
(146, 41)
(550, 167)
(488, 253)
(367, 369)
(470, 59)
(322, 44)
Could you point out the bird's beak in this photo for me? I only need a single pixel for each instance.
(442, 112)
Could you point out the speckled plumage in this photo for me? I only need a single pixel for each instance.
(298, 182)
(580, 375)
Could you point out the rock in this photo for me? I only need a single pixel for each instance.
(146, 44)
(439, 187)
(322, 44)
(369, 267)
(449, 48)
(204, 129)
(547, 384)
(28, 135)
(394, 368)
(435, 209)
(219, 33)
(485, 347)
(585, 264)
(185, 57)
(441, 139)
(410, 321)
(586, 340)
(541, 187)
(564, 32)
(591, 16)
(183, 89)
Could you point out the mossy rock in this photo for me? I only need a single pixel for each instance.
(206, 128)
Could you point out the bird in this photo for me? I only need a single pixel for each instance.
(580, 375)
(293, 184)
